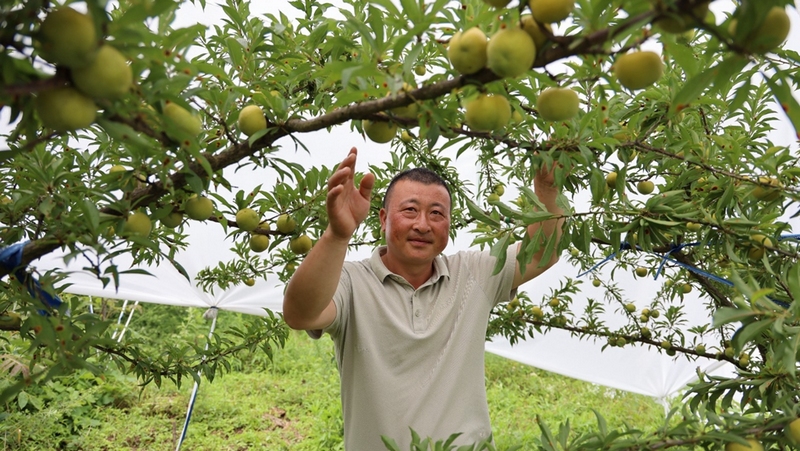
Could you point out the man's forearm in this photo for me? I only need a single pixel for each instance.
(314, 283)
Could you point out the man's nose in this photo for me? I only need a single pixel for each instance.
(421, 224)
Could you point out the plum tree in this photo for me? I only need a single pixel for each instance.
(697, 116)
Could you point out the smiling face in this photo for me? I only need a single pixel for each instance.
(416, 221)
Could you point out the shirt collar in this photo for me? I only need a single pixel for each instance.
(439, 267)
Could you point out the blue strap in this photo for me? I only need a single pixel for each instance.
(665, 258)
(11, 260)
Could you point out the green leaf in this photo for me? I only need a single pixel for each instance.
(780, 89)
(477, 213)
(728, 315)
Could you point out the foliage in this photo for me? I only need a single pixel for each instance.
(701, 133)
(292, 403)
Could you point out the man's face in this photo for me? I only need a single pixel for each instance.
(416, 221)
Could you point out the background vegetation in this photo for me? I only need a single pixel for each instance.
(291, 403)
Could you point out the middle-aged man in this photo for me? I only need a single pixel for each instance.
(409, 323)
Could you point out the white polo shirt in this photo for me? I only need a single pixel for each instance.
(413, 359)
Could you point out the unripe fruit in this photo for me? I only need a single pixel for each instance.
(107, 77)
(379, 132)
(611, 179)
(596, 282)
(765, 193)
(137, 224)
(681, 22)
(510, 52)
(172, 220)
(467, 51)
(493, 197)
(259, 243)
(420, 70)
(700, 349)
(65, 109)
(792, 431)
(686, 288)
(551, 11)
(641, 272)
(286, 224)
(183, 120)
(537, 312)
(534, 31)
(557, 104)
(574, 252)
(199, 208)
(759, 243)
(645, 187)
(637, 70)
(693, 226)
(772, 32)
(554, 302)
(406, 112)
(68, 38)
(630, 308)
(654, 314)
(250, 282)
(487, 112)
(666, 344)
(251, 120)
(499, 189)
(247, 219)
(300, 245)
(406, 137)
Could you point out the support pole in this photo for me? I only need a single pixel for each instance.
(119, 319)
(127, 322)
(211, 313)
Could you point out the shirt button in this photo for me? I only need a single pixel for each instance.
(416, 313)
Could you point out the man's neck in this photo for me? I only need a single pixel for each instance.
(416, 275)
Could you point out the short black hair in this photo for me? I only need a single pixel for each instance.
(421, 175)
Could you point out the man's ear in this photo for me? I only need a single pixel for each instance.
(382, 216)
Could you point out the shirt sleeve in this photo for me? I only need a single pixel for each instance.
(497, 287)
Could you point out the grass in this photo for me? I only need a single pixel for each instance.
(293, 404)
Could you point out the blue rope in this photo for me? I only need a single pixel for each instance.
(11, 260)
(665, 258)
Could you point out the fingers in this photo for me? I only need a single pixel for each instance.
(367, 183)
(345, 171)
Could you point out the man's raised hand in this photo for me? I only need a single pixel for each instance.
(347, 206)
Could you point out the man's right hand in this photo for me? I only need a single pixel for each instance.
(347, 206)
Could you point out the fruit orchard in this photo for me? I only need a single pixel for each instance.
(117, 128)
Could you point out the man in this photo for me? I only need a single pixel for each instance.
(408, 323)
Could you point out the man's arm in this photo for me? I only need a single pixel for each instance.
(546, 191)
(308, 301)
